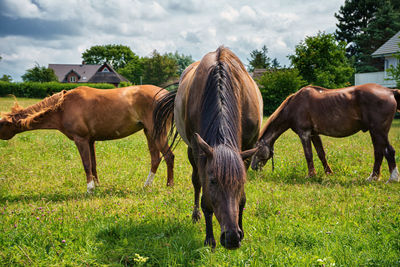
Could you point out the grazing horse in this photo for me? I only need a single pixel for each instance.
(218, 113)
(86, 115)
(341, 112)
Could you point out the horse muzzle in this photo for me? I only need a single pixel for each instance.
(231, 239)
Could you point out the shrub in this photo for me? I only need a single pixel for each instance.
(276, 85)
(41, 90)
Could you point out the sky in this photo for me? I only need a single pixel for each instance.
(58, 31)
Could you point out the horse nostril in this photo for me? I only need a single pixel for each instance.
(231, 239)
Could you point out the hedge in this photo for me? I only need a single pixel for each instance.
(41, 90)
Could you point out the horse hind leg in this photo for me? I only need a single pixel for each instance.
(155, 158)
(316, 140)
(390, 157)
(380, 142)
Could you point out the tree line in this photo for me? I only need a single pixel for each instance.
(327, 60)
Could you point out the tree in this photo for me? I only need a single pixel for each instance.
(365, 25)
(322, 61)
(276, 85)
(117, 55)
(182, 61)
(133, 70)
(39, 74)
(6, 78)
(259, 59)
(158, 69)
(394, 71)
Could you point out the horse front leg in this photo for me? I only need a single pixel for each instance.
(316, 140)
(93, 160)
(196, 186)
(210, 240)
(84, 150)
(241, 208)
(306, 142)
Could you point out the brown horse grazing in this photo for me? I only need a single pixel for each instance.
(218, 113)
(338, 113)
(86, 115)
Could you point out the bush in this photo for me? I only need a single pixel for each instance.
(41, 90)
(276, 85)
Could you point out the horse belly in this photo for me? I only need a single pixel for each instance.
(338, 128)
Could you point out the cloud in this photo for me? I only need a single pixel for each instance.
(58, 31)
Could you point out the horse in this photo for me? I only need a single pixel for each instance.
(86, 115)
(314, 110)
(218, 113)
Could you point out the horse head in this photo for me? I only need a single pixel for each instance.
(262, 155)
(223, 176)
(7, 130)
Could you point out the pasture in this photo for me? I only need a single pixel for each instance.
(46, 217)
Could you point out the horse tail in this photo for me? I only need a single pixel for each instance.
(162, 114)
(396, 93)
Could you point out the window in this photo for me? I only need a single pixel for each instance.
(72, 79)
(105, 69)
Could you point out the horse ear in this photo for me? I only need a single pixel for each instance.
(203, 145)
(248, 153)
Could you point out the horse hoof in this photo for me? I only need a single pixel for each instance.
(210, 241)
(372, 178)
(196, 216)
(394, 176)
(90, 187)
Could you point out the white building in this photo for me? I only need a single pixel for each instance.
(387, 50)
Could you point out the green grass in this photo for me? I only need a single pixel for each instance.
(47, 219)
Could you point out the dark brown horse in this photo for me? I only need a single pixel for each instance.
(341, 112)
(86, 115)
(218, 113)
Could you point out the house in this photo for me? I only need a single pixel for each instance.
(87, 73)
(387, 50)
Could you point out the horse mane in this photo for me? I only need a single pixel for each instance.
(219, 106)
(277, 112)
(24, 117)
(220, 119)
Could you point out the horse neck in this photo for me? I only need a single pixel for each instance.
(48, 120)
(276, 125)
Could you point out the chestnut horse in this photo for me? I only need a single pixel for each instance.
(86, 115)
(218, 113)
(341, 112)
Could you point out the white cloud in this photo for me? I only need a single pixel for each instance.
(192, 27)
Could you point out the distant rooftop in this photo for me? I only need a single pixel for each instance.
(388, 48)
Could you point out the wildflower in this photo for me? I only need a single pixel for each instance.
(63, 241)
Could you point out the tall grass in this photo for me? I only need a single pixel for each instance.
(47, 219)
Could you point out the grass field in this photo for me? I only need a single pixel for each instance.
(47, 219)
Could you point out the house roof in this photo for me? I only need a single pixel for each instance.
(388, 48)
(86, 71)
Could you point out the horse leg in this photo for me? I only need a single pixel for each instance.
(155, 158)
(380, 143)
(306, 142)
(196, 185)
(316, 140)
(93, 159)
(390, 157)
(84, 150)
(241, 208)
(210, 240)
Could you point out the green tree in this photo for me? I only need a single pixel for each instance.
(276, 85)
(6, 78)
(322, 61)
(182, 61)
(39, 74)
(117, 55)
(394, 71)
(259, 59)
(133, 70)
(158, 69)
(365, 25)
